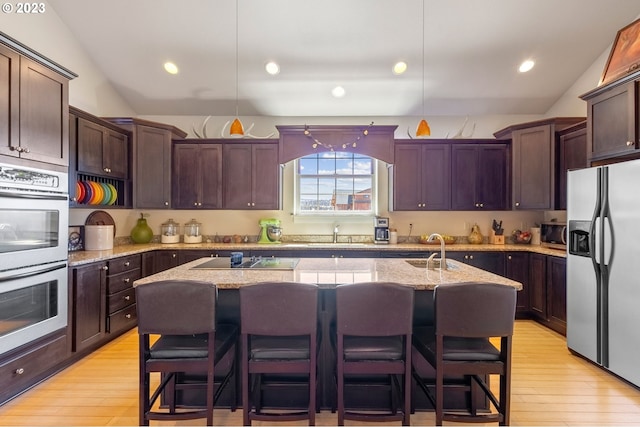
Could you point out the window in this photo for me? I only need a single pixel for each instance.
(335, 183)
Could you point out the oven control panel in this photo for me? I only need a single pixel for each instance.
(13, 177)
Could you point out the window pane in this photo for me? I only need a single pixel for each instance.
(344, 167)
(344, 184)
(363, 166)
(308, 166)
(326, 167)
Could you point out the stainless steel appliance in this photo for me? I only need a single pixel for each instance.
(381, 230)
(553, 235)
(603, 267)
(34, 225)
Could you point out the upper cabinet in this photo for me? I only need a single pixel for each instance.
(151, 160)
(613, 118)
(34, 98)
(533, 148)
(251, 175)
(421, 177)
(197, 176)
(572, 154)
(479, 176)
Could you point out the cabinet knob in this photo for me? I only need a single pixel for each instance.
(126, 280)
(517, 204)
(24, 150)
(466, 257)
(630, 144)
(166, 203)
(20, 371)
(199, 203)
(509, 257)
(482, 205)
(174, 255)
(108, 170)
(195, 203)
(105, 268)
(14, 148)
(127, 264)
(470, 256)
(128, 316)
(127, 298)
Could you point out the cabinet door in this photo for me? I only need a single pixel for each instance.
(493, 177)
(572, 155)
(488, 261)
(532, 172)
(265, 176)
(237, 176)
(407, 179)
(44, 114)
(210, 179)
(115, 154)
(517, 268)
(464, 178)
(537, 286)
(89, 305)
(186, 187)
(152, 163)
(91, 139)
(612, 122)
(9, 95)
(557, 294)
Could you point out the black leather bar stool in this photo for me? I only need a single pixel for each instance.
(374, 325)
(279, 324)
(467, 316)
(183, 313)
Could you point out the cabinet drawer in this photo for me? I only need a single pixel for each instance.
(19, 371)
(121, 300)
(122, 281)
(126, 263)
(122, 320)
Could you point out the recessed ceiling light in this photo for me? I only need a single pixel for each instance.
(171, 68)
(399, 67)
(272, 68)
(526, 66)
(338, 92)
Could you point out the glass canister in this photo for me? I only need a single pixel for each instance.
(193, 232)
(170, 232)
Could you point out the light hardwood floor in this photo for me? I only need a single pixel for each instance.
(549, 387)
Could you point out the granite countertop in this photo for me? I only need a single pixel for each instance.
(85, 257)
(330, 272)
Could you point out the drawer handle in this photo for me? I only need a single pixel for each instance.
(127, 280)
(127, 298)
(629, 143)
(127, 264)
(128, 316)
(20, 371)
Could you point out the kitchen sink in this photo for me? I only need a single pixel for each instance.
(254, 263)
(432, 264)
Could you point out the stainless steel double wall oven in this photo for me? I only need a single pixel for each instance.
(34, 224)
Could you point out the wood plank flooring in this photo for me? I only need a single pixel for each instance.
(550, 387)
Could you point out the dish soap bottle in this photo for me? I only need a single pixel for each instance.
(475, 238)
(141, 233)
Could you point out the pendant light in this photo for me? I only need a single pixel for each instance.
(236, 128)
(423, 127)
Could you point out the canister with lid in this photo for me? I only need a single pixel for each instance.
(193, 232)
(170, 232)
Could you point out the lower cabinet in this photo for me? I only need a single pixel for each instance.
(157, 261)
(489, 261)
(89, 286)
(548, 295)
(121, 299)
(517, 268)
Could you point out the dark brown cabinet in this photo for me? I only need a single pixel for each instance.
(547, 298)
(489, 261)
(197, 176)
(251, 176)
(151, 160)
(89, 285)
(479, 176)
(121, 303)
(102, 151)
(157, 261)
(517, 268)
(572, 154)
(613, 114)
(422, 177)
(34, 116)
(533, 152)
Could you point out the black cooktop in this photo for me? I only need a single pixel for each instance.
(254, 263)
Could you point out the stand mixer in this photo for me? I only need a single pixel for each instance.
(270, 230)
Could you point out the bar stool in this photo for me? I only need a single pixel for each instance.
(183, 313)
(374, 325)
(467, 316)
(279, 324)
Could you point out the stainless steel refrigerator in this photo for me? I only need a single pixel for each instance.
(603, 266)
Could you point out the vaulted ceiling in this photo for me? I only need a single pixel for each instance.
(472, 49)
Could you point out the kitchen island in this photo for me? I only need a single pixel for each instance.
(327, 273)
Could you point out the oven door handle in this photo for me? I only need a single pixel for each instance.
(33, 196)
(33, 273)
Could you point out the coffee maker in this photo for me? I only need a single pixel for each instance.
(381, 230)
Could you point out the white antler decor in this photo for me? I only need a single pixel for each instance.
(459, 133)
(247, 134)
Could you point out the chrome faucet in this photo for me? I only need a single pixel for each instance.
(335, 233)
(432, 260)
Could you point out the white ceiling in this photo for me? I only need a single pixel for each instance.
(472, 51)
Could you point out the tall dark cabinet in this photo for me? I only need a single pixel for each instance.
(197, 176)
